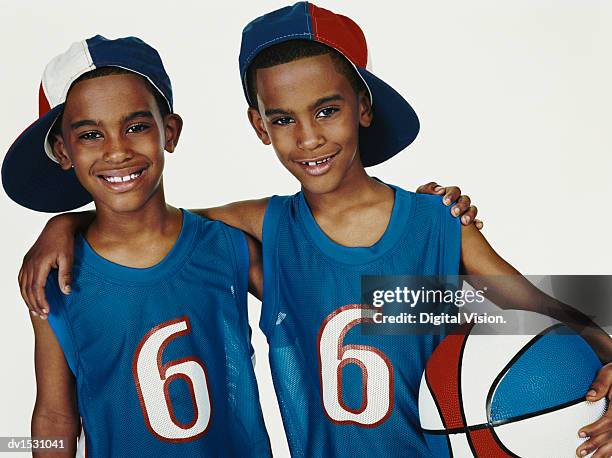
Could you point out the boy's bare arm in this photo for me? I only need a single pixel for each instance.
(507, 288)
(246, 215)
(55, 414)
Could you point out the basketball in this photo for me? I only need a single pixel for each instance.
(509, 395)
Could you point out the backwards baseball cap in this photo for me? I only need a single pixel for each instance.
(30, 173)
(395, 124)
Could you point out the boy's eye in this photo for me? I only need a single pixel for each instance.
(135, 128)
(92, 135)
(282, 121)
(327, 112)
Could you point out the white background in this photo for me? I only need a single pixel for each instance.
(514, 100)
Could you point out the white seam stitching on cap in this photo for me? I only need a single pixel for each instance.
(316, 26)
(306, 13)
(362, 79)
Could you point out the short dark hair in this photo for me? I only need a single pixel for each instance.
(292, 50)
(162, 104)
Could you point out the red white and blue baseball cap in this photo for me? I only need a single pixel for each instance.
(395, 124)
(30, 173)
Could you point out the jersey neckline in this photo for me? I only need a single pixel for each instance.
(401, 214)
(175, 258)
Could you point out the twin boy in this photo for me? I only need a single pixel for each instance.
(149, 345)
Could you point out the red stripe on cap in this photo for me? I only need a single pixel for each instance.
(442, 374)
(340, 33)
(485, 445)
(43, 103)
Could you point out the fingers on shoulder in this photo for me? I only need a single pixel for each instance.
(430, 188)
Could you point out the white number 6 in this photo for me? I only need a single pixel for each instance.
(153, 379)
(376, 370)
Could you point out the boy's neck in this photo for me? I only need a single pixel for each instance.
(357, 212)
(355, 189)
(139, 238)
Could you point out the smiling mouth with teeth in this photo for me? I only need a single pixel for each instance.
(130, 177)
(322, 161)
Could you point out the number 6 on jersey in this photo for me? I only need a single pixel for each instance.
(152, 380)
(376, 370)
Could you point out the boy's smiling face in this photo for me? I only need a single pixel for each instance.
(311, 115)
(114, 135)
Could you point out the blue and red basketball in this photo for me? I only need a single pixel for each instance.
(509, 395)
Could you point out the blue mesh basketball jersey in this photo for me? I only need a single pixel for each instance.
(343, 393)
(162, 355)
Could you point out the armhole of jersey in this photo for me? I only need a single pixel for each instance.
(241, 269)
(451, 243)
(59, 323)
(269, 303)
(450, 254)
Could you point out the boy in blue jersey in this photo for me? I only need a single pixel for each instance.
(152, 348)
(327, 117)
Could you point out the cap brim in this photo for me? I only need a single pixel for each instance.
(395, 124)
(33, 180)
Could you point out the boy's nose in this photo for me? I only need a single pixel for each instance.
(309, 137)
(116, 152)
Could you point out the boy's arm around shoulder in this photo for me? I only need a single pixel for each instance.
(54, 249)
(246, 215)
(55, 414)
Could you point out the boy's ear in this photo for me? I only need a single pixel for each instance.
(257, 122)
(173, 125)
(59, 151)
(365, 109)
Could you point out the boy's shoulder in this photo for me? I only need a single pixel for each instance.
(425, 210)
(217, 237)
(421, 203)
(210, 228)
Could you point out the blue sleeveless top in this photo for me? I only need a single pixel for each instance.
(162, 355)
(343, 393)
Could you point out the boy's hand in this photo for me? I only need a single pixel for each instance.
(54, 249)
(451, 194)
(599, 432)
